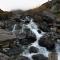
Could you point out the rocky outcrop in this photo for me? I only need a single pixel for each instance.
(44, 27)
(47, 41)
(39, 57)
(6, 37)
(28, 39)
(33, 49)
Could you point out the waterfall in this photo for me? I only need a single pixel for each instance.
(34, 28)
(42, 50)
(14, 28)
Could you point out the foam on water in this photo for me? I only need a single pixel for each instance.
(42, 50)
(14, 28)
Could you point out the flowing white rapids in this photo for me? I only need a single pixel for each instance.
(14, 28)
(42, 50)
(33, 27)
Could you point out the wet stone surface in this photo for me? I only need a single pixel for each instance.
(47, 42)
(39, 31)
(39, 57)
(28, 33)
(29, 38)
(33, 49)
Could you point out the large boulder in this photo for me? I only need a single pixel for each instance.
(27, 40)
(44, 27)
(48, 17)
(47, 41)
(27, 37)
(33, 49)
(6, 37)
(39, 57)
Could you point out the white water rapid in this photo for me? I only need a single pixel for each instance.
(33, 27)
(42, 50)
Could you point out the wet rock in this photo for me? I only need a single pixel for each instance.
(44, 27)
(3, 57)
(39, 31)
(29, 38)
(33, 49)
(39, 57)
(26, 22)
(48, 20)
(48, 17)
(22, 58)
(14, 51)
(25, 19)
(47, 41)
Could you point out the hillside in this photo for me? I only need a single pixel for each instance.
(45, 6)
(36, 12)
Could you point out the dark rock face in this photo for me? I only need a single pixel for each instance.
(48, 20)
(39, 31)
(28, 39)
(17, 19)
(3, 57)
(48, 17)
(25, 19)
(47, 42)
(14, 51)
(23, 58)
(33, 49)
(44, 27)
(39, 57)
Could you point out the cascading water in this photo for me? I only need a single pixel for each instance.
(34, 28)
(14, 28)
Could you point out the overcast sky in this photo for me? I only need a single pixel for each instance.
(20, 4)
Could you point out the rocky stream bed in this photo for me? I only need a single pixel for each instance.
(30, 41)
